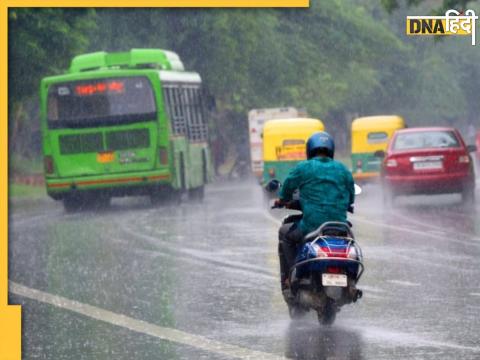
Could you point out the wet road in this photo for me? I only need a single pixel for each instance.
(199, 281)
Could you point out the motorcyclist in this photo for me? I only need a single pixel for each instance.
(326, 193)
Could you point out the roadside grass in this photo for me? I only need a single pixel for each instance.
(23, 168)
(26, 191)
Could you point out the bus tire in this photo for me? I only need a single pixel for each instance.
(79, 202)
(183, 183)
(196, 194)
(468, 195)
(101, 202)
(73, 203)
(159, 198)
(388, 197)
(204, 166)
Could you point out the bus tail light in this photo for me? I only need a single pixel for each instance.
(163, 155)
(48, 164)
(359, 164)
(271, 172)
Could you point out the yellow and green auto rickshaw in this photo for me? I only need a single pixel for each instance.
(284, 142)
(370, 134)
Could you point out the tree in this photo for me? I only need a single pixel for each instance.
(41, 42)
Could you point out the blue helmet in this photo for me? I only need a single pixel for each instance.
(320, 140)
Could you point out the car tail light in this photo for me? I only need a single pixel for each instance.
(271, 172)
(359, 164)
(163, 155)
(48, 164)
(464, 159)
(391, 163)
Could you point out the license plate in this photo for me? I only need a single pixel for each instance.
(105, 157)
(334, 280)
(428, 165)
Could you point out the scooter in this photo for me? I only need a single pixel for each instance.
(326, 271)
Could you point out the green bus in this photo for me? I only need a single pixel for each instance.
(125, 123)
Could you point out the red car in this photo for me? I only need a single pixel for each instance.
(430, 160)
(477, 143)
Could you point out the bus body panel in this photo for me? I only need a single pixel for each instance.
(128, 158)
(114, 184)
(117, 159)
(133, 147)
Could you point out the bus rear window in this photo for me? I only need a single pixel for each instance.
(100, 102)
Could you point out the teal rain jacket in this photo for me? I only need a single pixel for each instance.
(326, 191)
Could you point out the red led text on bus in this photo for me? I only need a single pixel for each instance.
(100, 88)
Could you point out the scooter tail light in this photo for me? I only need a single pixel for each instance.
(352, 253)
(320, 252)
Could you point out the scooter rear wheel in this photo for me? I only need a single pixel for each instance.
(329, 313)
(296, 312)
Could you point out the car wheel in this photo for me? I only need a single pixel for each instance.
(388, 197)
(468, 195)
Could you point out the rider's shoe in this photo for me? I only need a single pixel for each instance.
(286, 291)
(288, 296)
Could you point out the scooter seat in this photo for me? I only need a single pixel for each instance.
(331, 228)
(336, 230)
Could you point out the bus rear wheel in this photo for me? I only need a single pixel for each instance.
(78, 202)
(73, 203)
(165, 197)
(196, 194)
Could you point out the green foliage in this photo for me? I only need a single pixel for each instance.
(438, 91)
(337, 59)
(42, 41)
(391, 5)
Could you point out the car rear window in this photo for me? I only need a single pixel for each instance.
(426, 140)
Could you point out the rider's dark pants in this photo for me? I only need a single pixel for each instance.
(290, 236)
